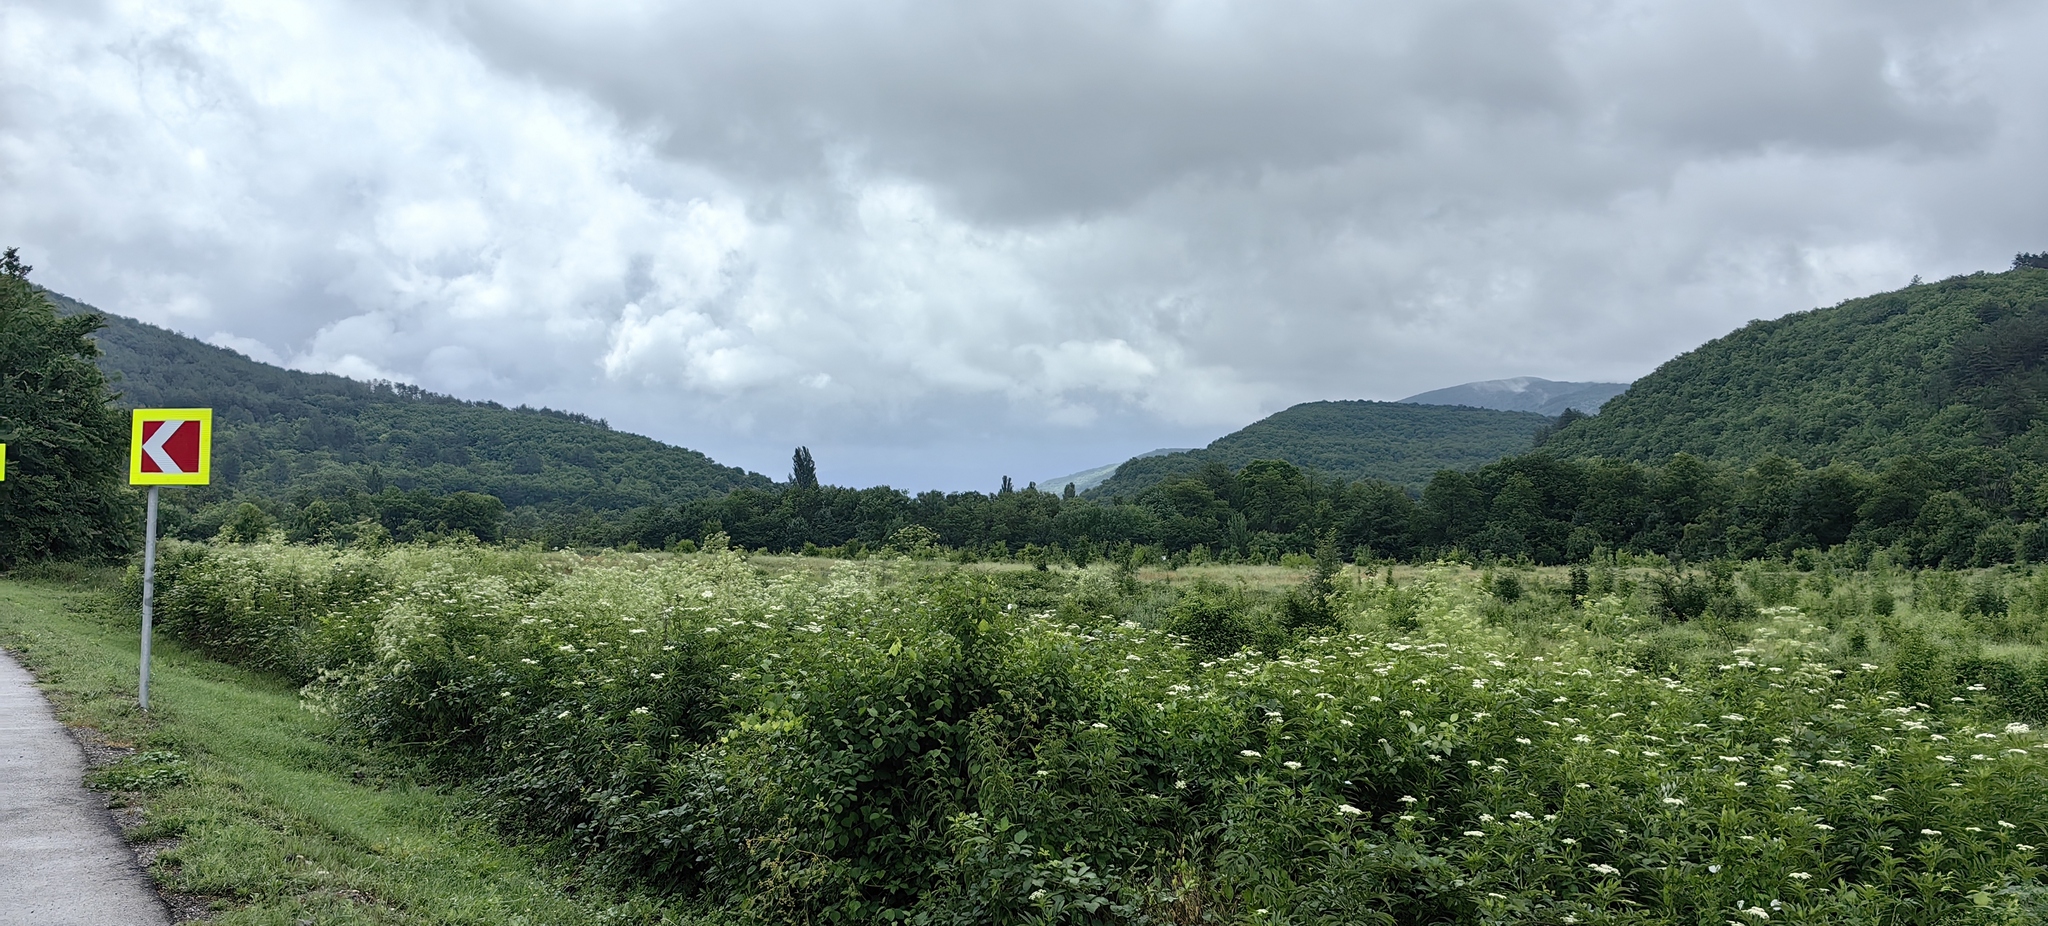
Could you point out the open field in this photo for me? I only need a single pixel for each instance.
(792, 740)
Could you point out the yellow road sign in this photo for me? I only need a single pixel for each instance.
(3, 462)
(171, 447)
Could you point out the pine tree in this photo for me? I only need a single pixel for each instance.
(62, 498)
(803, 471)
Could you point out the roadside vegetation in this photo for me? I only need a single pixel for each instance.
(251, 810)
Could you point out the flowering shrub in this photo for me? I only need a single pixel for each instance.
(964, 747)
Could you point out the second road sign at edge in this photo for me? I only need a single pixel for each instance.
(171, 447)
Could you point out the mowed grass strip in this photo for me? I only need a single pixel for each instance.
(276, 819)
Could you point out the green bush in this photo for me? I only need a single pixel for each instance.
(1773, 588)
(1507, 587)
(1689, 597)
(1216, 621)
(247, 525)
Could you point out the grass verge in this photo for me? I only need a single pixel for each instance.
(258, 807)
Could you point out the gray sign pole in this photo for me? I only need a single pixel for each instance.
(148, 588)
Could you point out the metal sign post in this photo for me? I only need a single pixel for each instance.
(168, 446)
(148, 588)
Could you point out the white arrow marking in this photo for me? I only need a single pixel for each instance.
(154, 446)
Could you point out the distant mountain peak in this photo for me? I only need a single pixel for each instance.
(1523, 394)
(1513, 384)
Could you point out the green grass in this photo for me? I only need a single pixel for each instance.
(277, 819)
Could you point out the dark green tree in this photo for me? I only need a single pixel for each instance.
(1564, 420)
(1452, 509)
(63, 497)
(1516, 513)
(247, 525)
(803, 471)
(481, 516)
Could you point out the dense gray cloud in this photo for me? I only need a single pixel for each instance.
(938, 242)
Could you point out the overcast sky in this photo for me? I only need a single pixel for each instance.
(939, 242)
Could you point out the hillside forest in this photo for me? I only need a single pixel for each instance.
(413, 461)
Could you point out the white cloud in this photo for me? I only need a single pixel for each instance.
(936, 242)
(247, 347)
(1110, 365)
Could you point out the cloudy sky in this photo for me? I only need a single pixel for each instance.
(938, 242)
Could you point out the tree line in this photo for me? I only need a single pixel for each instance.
(1965, 508)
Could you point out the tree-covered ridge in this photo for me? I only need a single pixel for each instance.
(1390, 441)
(1924, 370)
(284, 433)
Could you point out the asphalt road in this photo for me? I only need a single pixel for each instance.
(61, 860)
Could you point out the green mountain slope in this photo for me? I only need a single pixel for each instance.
(282, 432)
(1926, 369)
(1399, 443)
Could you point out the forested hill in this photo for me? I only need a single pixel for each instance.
(1928, 369)
(1399, 443)
(283, 433)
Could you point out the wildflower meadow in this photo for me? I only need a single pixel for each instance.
(791, 741)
